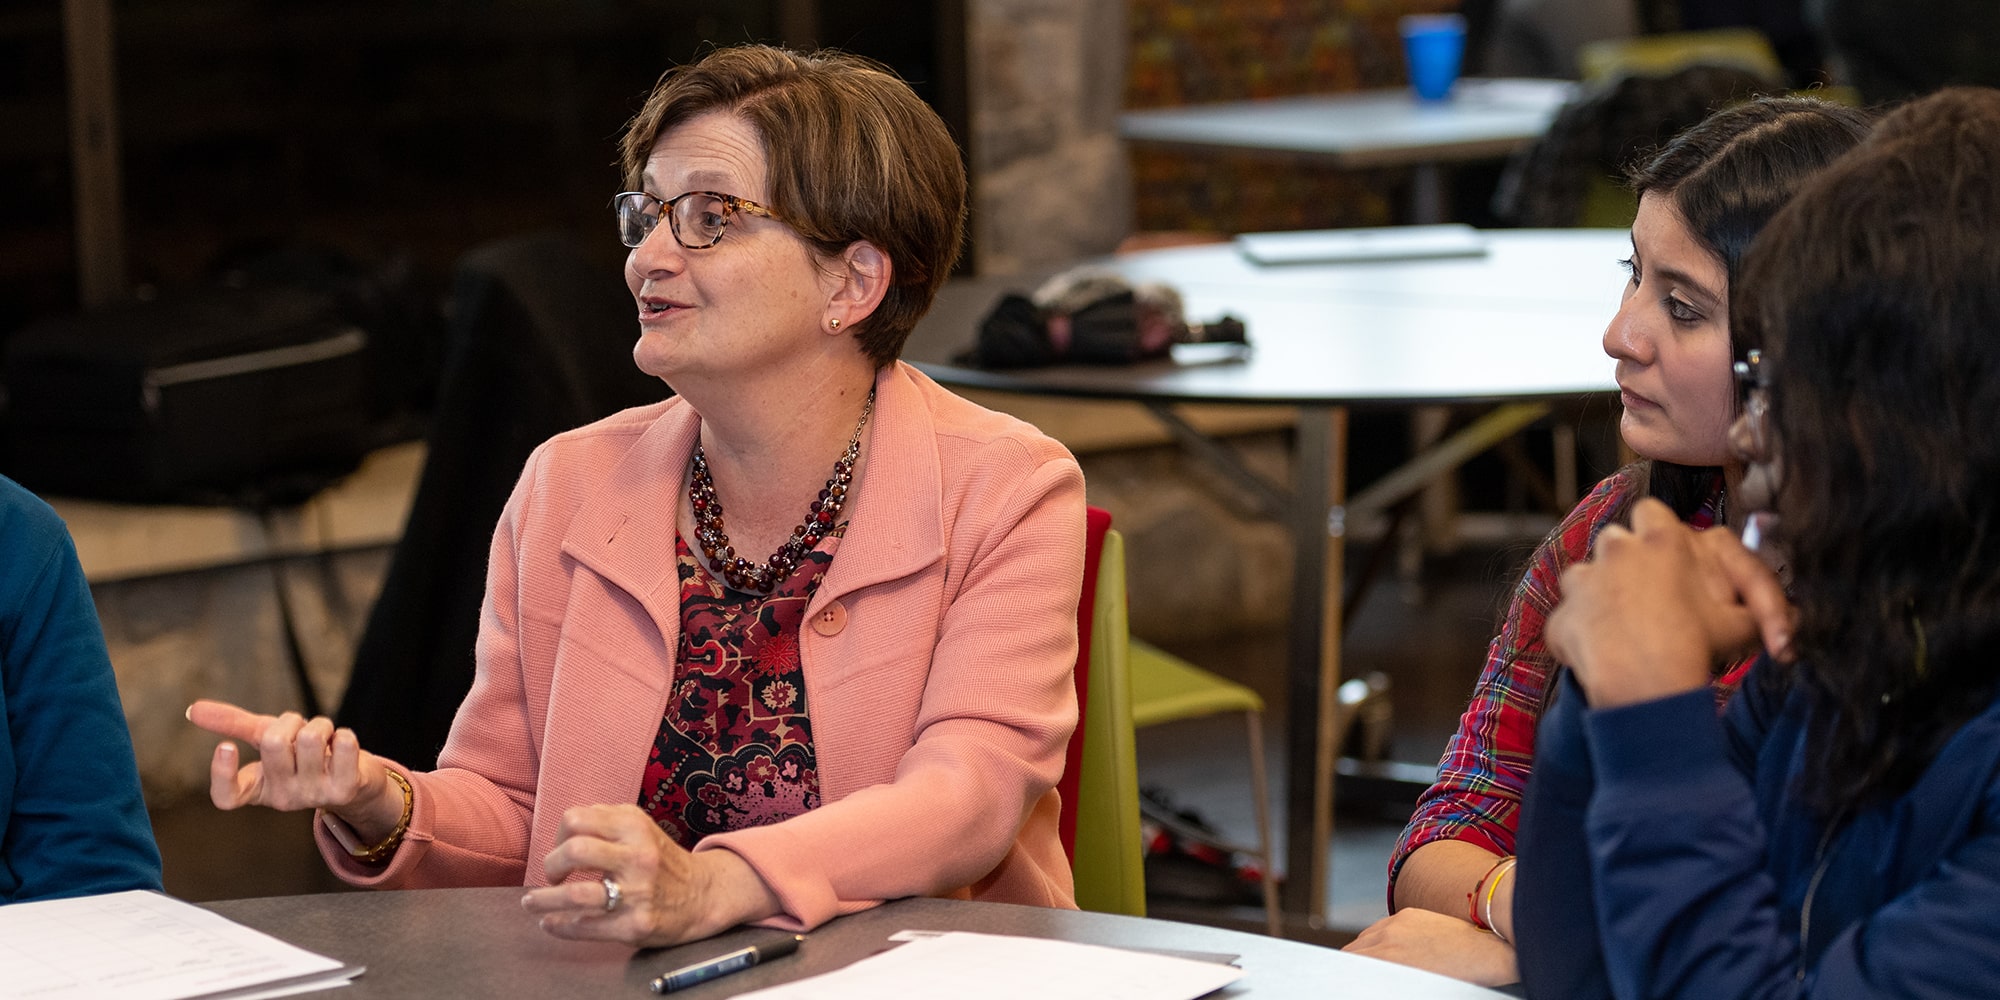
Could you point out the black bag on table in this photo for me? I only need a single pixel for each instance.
(240, 395)
(1088, 315)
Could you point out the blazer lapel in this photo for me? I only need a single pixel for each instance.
(895, 522)
(626, 532)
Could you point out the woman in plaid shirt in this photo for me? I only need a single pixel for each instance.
(1701, 200)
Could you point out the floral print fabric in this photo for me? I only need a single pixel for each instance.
(735, 745)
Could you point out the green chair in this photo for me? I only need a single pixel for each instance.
(1166, 688)
(1658, 55)
(1108, 863)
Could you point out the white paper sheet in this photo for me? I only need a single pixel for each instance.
(967, 966)
(146, 946)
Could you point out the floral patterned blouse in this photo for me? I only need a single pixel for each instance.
(735, 746)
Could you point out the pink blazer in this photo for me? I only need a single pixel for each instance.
(937, 658)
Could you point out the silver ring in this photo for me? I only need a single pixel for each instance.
(612, 894)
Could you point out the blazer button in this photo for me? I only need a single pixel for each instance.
(831, 619)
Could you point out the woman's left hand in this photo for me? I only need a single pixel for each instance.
(1659, 604)
(666, 894)
(1439, 943)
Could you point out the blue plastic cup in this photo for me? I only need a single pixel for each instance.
(1433, 44)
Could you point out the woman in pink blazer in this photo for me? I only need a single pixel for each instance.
(668, 736)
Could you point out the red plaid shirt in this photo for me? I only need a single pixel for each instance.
(1484, 771)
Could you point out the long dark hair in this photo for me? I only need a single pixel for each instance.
(1726, 177)
(1875, 297)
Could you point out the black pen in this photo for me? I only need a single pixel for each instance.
(722, 965)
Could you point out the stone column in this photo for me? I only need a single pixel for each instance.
(1050, 179)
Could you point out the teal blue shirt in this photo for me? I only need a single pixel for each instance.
(72, 822)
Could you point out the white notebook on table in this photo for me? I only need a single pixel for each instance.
(967, 966)
(146, 946)
(1340, 246)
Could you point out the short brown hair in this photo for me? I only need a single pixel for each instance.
(853, 154)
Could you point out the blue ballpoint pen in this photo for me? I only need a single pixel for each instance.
(722, 965)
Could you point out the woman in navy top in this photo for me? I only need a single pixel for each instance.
(72, 822)
(1836, 832)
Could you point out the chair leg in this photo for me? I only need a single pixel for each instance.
(1261, 785)
(1565, 484)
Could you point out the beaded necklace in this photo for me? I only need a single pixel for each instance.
(760, 578)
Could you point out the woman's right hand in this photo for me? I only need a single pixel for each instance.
(1659, 604)
(305, 764)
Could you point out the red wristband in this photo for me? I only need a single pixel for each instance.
(1472, 898)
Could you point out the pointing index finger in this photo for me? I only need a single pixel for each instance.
(224, 719)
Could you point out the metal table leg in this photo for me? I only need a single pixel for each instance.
(1313, 660)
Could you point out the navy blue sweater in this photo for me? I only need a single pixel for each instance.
(1662, 855)
(72, 822)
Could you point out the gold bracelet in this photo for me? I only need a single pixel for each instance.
(379, 853)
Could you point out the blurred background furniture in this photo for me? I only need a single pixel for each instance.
(1166, 688)
(1573, 175)
(1657, 55)
(1484, 119)
(540, 343)
(1101, 786)
(1891, 50)
(1540, 37)
(262, 608)
(1518, 326)
(1124, 684)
